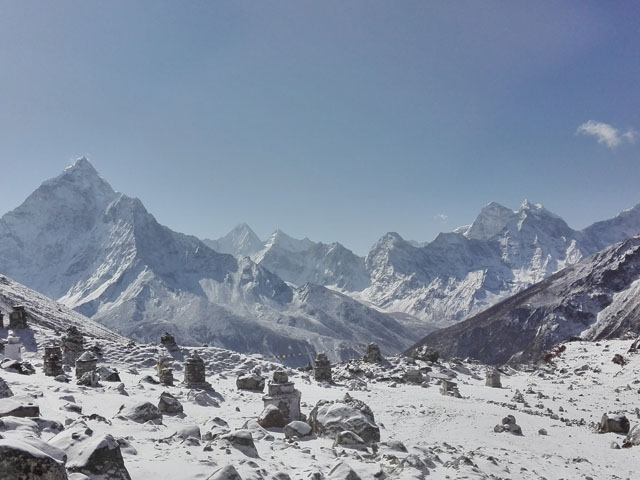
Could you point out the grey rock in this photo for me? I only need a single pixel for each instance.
(5, 390)
(252, 382)
(20, 460)
(141, 412)
(615, 424)
(169, 404)
(271, 417)
(228, 472)
(19, 406)
(328, 418)
(349, 440)
(91, 455)
(342, 471)
(298, 429)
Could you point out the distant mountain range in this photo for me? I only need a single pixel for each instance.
(444, 281)
(101, 253)
(596, 299)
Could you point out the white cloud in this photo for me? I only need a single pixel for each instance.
(441, 217)
(606, 134)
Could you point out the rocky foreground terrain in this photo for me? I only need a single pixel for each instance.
(400, 425)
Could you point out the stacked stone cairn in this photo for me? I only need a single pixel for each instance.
(373, 354)
(52, 361)
(13, 347)
(72, 345)
(450, 389)
(18, 318)
(194, 373)
(322, 368)
(493, 378)
(284, 396)
(165, 370)
(87, 362)
(169, 341)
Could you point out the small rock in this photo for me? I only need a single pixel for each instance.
(169, 404)
(271, 417)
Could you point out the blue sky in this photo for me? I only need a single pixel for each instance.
(332, 120)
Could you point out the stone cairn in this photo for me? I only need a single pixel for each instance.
(493, 378)
(194, 373)
(450, 389)
(72, 345)
(1, 320)
(283, 395)
(322, 368)
(13, 347)
(87, 362)
(373, 354)
(52, 361)
(18, 318)
(169, 341)
(165, 370)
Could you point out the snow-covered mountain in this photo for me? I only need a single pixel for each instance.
(465, 271)
(444, 281)
(240, 242)
(304, 261)
(597, 298)
(100, 252)
(297, 261)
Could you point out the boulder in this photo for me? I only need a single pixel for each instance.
(508, 425)
(23, 368)
(615, 424)
(169, 404)
(108, 374)
(189, 431)
(141, 412)
(349, 439)
(633, 437)
(328, 418)
(91, 455)
(257, 432)
(271, 417)
(21, 460)
(342, 471)
(5, 390)
(252, 381)
(228, 472)
(19, 406)
(89, 379)
(149, 379)
(242, 440)
(298, 429)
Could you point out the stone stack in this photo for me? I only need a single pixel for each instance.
(493, 378)
(322, 368)
(87, 362)
(72, 345)
(13, 347)
(165, 370)
(373, 354)
(169, 341)
(282, 394)
(450, 389)
(194, 373)
(18, 318)
(52, 361)
(1, 320)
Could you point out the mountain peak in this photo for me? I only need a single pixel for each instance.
(490, 221)
(81, 163)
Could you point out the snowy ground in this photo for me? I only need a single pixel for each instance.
(445, 437)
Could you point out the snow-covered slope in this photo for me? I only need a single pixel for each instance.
(101, 253)
(597, 298)
(423, 434)
(501, 253)
(44, 314)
